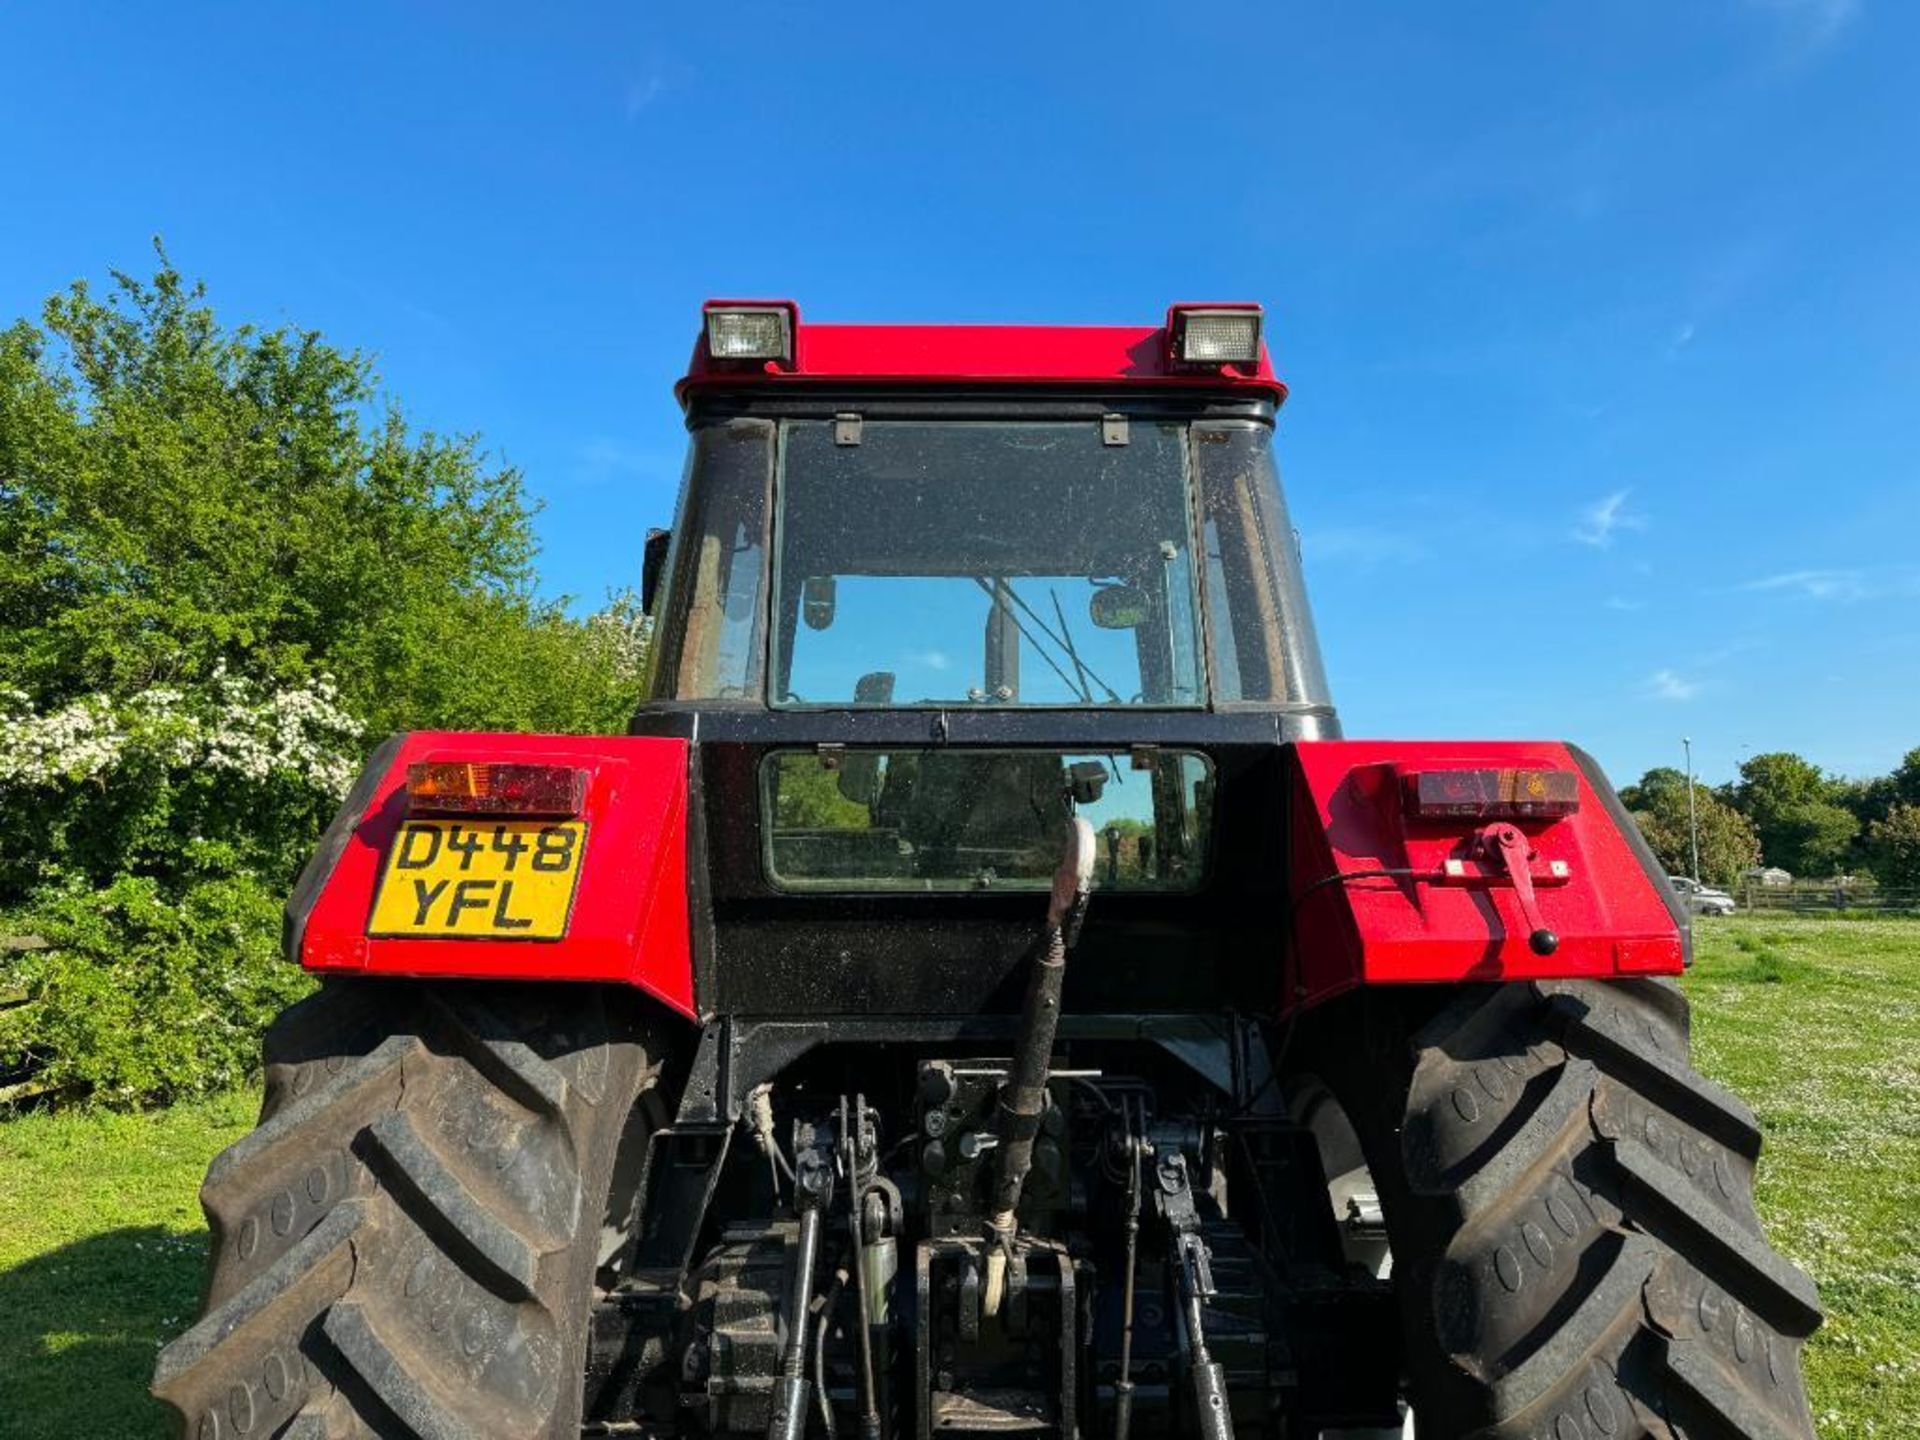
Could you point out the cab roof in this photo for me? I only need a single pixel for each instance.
(902, 356)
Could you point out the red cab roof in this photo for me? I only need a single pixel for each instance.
(984, 355)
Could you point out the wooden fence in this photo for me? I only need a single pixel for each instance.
(1812, 897)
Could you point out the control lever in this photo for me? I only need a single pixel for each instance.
(1137, 1152)
(812, 1193)
(861, 1166)
(1511, 850)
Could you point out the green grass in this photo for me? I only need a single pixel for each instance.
(1815, 1021)
(102, 1257)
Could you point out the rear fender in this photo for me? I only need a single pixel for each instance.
(1441, 916)
(629, 919)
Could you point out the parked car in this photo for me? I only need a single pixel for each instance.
(1703, 899)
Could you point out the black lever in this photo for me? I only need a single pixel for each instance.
(1174, 1200)
(812, 1193)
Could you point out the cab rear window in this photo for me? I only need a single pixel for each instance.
(980, 820)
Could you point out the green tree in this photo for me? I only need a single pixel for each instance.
(1658, 803)
(1867, 800)
(1905, 780)
(176, 496)
(1814, 839)
(225, 570)
(1893, 847)
(809, 796)
(1796, 811)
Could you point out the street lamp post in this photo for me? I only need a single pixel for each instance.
(1693, 826)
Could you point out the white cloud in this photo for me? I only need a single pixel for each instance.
(1813, 22)
(643, 92)
(933, 659)
(655, 76)
(1666, 685)
(1813, 584)
(1622, 603)
(1600, 520)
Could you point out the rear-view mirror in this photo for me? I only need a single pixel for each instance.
(653, 564)
(817, 598)
(859, 777)
(1118, 607)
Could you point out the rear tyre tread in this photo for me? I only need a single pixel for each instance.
(508, 1061)
(427, 1187)
(298, 1120)
(1558, 1125)
(1711, 1403)
(446, 1206)
(272, 1305)
(1740, 1263)
(1570, 1208)
(396, 1384)
(1592, 1333)
(1606, 1034)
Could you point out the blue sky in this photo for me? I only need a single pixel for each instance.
(1603, 322)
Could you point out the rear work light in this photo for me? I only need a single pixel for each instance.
(1492, 794)
(1208, 335)
(750, 332)
(478, 787)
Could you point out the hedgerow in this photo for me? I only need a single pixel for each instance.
(144, 998)
(228, 565)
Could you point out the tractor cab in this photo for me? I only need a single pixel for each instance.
(1036, 555)
(854, 534)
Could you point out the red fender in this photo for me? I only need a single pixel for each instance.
(629, 920)
(1388, 889)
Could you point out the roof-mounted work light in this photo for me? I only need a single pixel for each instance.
(750, 331)
(1203, 336)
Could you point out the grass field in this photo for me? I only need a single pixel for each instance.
(1816, 1022)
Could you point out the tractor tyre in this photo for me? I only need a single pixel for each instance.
(407, 1245)
(1569, 1210)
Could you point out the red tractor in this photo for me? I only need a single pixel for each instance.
(983, 995)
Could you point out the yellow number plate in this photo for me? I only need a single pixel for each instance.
(487, 879)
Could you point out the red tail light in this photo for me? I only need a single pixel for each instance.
(477, 787)
(1492, 794)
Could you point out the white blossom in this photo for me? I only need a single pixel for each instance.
(622, 632)
(234, 725)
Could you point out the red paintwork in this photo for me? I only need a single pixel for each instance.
(957, 355)
(629, 921)
(1348, 816)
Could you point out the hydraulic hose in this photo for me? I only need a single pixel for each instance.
(1023, 1099)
